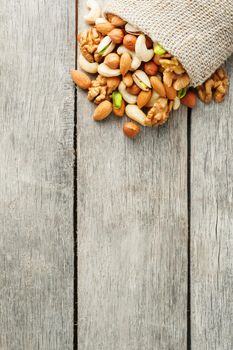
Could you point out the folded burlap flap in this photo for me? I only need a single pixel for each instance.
(198, 32)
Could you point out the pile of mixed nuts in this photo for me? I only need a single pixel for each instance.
(135, 76)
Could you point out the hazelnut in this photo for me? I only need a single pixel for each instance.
(131, 129)
(134, 89)
(116, 35)
(151, 68)
(149, 42)
(112, 60)
(129, 41)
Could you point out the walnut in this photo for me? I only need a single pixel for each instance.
(172, 65)
(98, 90)
(215, 87)
(88, 43)
(159, 113)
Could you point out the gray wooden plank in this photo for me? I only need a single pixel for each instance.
(212, 224)
(36, 175)
(132, 233)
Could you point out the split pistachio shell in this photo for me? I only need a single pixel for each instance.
(107, 72)
(141, 49)
(141, 79)
(136, 114)
(136, 62)
(131, 99)
(87, 66)
(106, 46)
(132, 30)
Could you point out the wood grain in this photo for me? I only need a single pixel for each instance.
(132, 233)
(212, 224)
(36, 175)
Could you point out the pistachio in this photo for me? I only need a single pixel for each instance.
(159, 50)
(176, 104)
(106, 46)
(141, 79)
(117, 99)
(182, 92)
(132, 30)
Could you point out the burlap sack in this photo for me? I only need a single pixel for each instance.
(198, 32)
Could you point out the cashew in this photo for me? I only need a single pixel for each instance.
(136, 62)
(87, 66)
(142, 51)
(94, 12)
(131, 99)
(104, 70)
(136, 114)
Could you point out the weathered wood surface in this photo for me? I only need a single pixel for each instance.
(132, 232)
(212, 224)
(36, 175)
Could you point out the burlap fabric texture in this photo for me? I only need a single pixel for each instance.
(198, 32)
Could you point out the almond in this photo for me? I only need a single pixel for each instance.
(131, 129)
(112, 60)
(102, 111)
(121, 111)
(116, 35)
(125, 63)
(170, 92)
(151, 68)
(134, 89)
(158, 86)
(189, 100)
(104, 28)
(143, 98)
(80, 79)
(129, 42)
(128, 79)
(115, 20)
